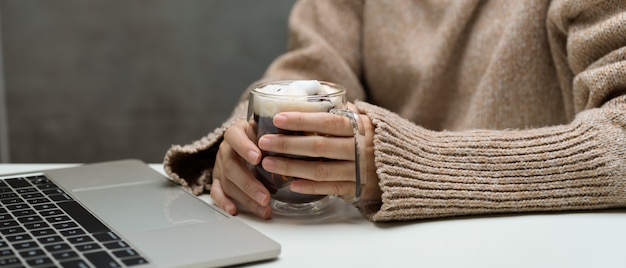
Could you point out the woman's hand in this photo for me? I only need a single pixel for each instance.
(233, 182)
(335, 140)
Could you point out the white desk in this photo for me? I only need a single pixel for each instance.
(343, 238)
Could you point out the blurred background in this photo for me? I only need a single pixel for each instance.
(85, 81)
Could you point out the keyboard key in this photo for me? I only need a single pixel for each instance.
(134, 261)
(12, 230)
(50, 239)
(55, 219)
(83, 217)
(38, 179)
(6, 252)
(73, 232)
(18, 206)
(43, 232)
(46, 186)
(42, 207)
(36, 225)
(32, 253)
(125, 253)
(37, 201)
(24, 213)
(75, 263)
(12, 201)
(52, 212)
(8, 195)
(58, 247)
(116, 245)
(18, 238)
(65, 225)
(40, 261)
(9, 223)
(88, 247)
(5, 216)
(18, 182)
(10, 261)
(80, 239)
(105, 237)
(29, 219)
(60, 197)
(26, 190)
(101, 259)
(32, 195)
(65, 255)
(53, 191)
(26, 245)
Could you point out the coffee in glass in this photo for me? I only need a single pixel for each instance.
(268, 99)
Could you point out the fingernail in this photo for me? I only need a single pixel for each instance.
(269, 164)
(262, 211)
(265, 143)
(295, 187)
(261, 198)
(230, 209)
(253, 157)
(280, 120)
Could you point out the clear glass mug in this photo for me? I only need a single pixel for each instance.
(268, 99)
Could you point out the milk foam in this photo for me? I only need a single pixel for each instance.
(300, 96)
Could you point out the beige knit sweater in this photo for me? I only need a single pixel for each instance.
(479, 107)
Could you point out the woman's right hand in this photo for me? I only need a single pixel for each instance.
(233, 183)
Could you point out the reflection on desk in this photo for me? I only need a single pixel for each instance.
(341, 237)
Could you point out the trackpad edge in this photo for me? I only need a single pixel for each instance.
(146, 206)
(219, 243)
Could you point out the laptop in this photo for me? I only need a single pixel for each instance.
(117, 214)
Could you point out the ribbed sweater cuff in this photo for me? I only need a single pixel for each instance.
(429, 174)
(191, 165)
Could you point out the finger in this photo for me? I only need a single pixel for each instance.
(340, 148)
(239, 184)
(238, 136)
(311, 170)
(322, 123)
(340, 188)
(263, 211)
(242, 178)
(220, 199)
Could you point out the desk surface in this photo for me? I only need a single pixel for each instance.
(343, 238)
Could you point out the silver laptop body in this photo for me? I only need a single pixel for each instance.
(146, 221)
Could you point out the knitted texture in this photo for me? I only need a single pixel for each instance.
(426, 174)
(191, 165)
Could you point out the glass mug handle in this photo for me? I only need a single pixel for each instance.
(358, 140)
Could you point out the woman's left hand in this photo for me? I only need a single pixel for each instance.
(335, 141)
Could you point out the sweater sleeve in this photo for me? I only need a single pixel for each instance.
(318, 49)
(577, 166)
(428, 174)
(191, 165)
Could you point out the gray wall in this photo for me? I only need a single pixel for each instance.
(100, 80)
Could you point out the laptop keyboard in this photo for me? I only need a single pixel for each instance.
(42, 226)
